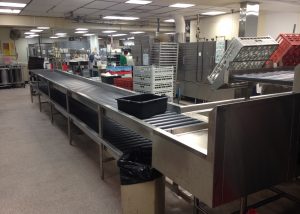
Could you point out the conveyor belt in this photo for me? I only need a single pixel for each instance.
(124, 139)
(171, 120)
(97, 93)
(120, 137)
(275, 77)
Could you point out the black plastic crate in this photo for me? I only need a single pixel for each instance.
(109, 79)
(144, 105)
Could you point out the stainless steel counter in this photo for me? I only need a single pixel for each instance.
(213, 150)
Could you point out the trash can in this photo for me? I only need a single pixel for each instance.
(142, 187)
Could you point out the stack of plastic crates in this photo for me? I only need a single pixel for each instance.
(288, 52)
(126, 83)
(154, 80)
(166, 54)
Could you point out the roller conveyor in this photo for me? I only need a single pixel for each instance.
(171, 120)
(120, 138)
(203, 158)
(99, 94)
(275, 77)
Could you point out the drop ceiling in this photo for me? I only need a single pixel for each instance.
(156, 9)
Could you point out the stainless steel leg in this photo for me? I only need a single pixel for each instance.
(70, 130)
(51, 111)
(243, 205)
(195, 208)
(31, 91)
(101, 158)
(40, 102)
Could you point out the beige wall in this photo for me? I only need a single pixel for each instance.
(223, 25)
(274, 23)
(269, 23)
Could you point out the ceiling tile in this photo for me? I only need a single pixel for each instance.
(85, 11)
(149, 7)
(164, 10)
(100, 4)
(105, 13)
(122, 7)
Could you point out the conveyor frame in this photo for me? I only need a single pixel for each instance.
(194, 166)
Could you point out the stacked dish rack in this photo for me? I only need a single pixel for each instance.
(154, 80)
(166, 54)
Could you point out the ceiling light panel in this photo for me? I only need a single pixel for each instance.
(89, 34)
(138, 2)
(43, 28)
(127, 18)
(11, 4)
(10, 11)
(109, 31)
(117, 35)
(81, 29)
(213, 13)
(181, 5)
(29, 33)
(170, 20)
(53, 37)
(36, 30)
(137, 32)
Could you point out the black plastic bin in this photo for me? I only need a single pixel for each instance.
(109, 79)
(135, 167)
(143, 106)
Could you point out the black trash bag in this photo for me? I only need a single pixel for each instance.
(135, 167)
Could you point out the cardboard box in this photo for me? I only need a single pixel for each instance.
(144, 198)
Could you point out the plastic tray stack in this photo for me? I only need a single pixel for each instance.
(166, 54)
(154, 80)
(288, 52)
(246, 53)
(126, 83)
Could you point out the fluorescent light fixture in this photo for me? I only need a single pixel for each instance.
(213, 13)
(11, 4)
(10, 11)
(123, 39)
(34, 35)
(171, 33)
(36, 30)
(89, 34)
(61, 34)
(169, 20)
(117, 35)
(81, 29)
(181, 5)
(43, 28)
(137, 32)
(100, 38)
(54, 37)
(138, 2)
(28, 37)
(127, 18)
(29, 33)
(109, 31)
(130, 38)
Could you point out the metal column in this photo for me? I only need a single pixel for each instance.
(249, 12)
